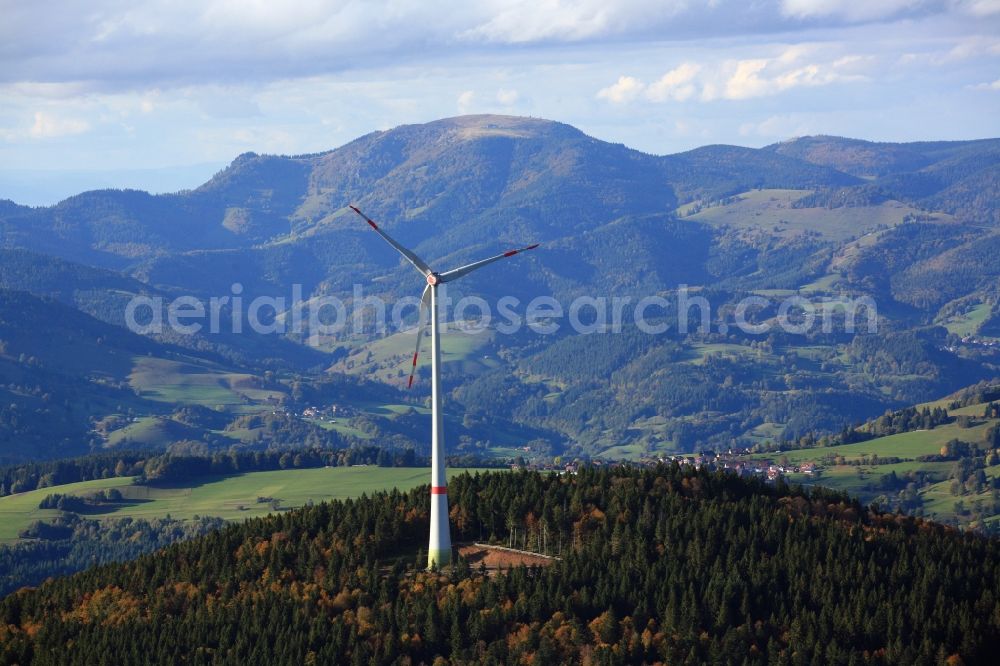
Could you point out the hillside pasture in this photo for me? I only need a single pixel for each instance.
(230, 497)
(772, 209)
(902, 445)
(180, 382)
(389, 359)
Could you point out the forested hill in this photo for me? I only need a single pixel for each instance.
(913, 228)
(658, 565)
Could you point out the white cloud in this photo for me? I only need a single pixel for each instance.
(116, 44)
(851, 10)
(465, 100)
(975, 46)
(507, 97)
(43, 90)
(531, 21)
(624, 90)
(760, 77)
(184, 75)
(987, 86)
(794, 67)
(979, 7)
(677, 84)
(537, 20)
(47, 126)
(746, 81)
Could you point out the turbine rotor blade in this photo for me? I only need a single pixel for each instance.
(425, 302)
(419, 263)
(454, 274)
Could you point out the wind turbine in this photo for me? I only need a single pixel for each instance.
(439, 548)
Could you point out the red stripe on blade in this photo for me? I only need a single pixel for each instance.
(410, 385)
(374, 226)
(531, 247)
(439, 490)
(414, 358)
(510, 253)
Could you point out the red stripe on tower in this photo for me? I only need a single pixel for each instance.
(439, 490)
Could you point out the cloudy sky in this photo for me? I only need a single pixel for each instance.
(160, 94)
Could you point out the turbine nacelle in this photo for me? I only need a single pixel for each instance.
(433, 278)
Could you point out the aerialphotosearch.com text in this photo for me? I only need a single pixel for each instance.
(321, 317)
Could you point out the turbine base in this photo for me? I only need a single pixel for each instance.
(439, 557)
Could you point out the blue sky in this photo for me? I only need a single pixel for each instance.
(160, 94)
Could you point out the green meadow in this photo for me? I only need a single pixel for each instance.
(903, 445)
(773, 209)
(179, 382)
(390, 358)
(863, 480)
(968, 322)
(229, 497)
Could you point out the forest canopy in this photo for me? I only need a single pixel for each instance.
(663, 564)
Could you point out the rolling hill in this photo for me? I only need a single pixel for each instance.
(957, 177)
(910, 226)
(71, 384)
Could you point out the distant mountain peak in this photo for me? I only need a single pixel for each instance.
(857, 157)
(499, 123)
(484, 125)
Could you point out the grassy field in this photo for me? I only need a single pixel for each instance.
(628, 451)
(389, 359)
(18, 511)
(699, 350)
(342, 428)
(767, 432)
(229, 497)
(968, 410)
(152, 431)
(177, 382)
(903, 445)
(968, 323)
(862, 481)
(820, 285)
(939, 503)
(772, 209)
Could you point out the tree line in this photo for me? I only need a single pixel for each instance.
(161, 467)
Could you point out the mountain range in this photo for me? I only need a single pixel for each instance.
(913, 227)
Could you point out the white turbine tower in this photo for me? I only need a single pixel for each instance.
(439, 548)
